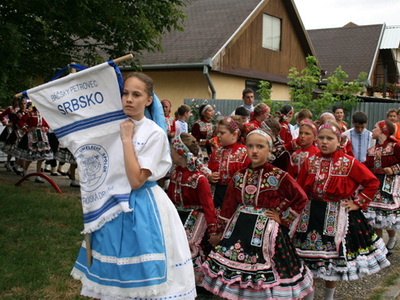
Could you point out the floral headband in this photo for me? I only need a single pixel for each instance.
(384, 128)
(205, 109)
(256, 114)
(331, 128)
(232, 123)
(264, 134)
(193, 163)
(307, 122)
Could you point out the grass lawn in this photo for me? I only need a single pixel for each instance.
(40, 238)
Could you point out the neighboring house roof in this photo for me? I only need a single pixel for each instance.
(208, 26)
(353, 47)
(391, 37)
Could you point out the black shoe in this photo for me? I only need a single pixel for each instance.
(75, 183)
(54, 174)
(62, 173)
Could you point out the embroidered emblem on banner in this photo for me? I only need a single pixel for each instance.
(93, 162)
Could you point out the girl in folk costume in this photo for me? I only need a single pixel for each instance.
(255, 258)
(190, 191)
(142, 254)
(203, 130)
(383, 160)
(338, 112)
(166, 104)
(227, 159)
(306, 139)
(345, 143)
(279, 157)
(260, 114)
(11, 136)
(333, 237)
(8, 118)
(34, 145)
(285, 115)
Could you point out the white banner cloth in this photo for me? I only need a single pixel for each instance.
(84, 110)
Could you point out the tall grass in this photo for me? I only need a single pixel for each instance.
(39, 241)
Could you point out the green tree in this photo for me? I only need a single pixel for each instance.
(307, 91)
(38, 37)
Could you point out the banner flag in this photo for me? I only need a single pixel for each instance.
(84, 110)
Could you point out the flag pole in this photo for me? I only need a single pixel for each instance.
(117, 60)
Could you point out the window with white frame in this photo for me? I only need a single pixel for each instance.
(271, 32)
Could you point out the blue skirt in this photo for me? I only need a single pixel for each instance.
(137, 254)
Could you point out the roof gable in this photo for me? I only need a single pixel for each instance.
(355, 48)
(210, 23)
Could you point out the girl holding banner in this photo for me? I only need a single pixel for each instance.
(143, 253)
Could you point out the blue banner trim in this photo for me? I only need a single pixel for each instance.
(114, 200)
(90, 122)
(119, 75)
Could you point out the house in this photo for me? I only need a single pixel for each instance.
(226, 46)
(373, 49)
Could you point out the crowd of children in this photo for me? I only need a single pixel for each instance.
(248, 209)
(28, 138)
(292, 203)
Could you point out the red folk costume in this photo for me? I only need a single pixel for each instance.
(190, 192)
(256, 258)
(384, 210)
(34, 145)
(345, 146)
(253, 124)
(298, 157)
(8, 137)
(226, 160)
(334, 243)
(285, 133)
(203, 131)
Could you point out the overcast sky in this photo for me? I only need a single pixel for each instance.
(318, 14)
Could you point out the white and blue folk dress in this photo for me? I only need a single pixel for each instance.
(143, 254)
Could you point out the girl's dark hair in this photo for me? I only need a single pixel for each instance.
(145, 79)
(190, 142)
(284, 110)
(336, 107)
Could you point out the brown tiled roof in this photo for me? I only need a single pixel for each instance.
(209, 24)
(355, 48)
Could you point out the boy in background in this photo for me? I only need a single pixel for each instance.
(181, 124)
(243, 113)
(360, 137)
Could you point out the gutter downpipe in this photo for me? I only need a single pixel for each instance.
(209, 81)
(206, 64)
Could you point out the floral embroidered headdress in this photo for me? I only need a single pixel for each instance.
(332, 128)
(193, 163)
